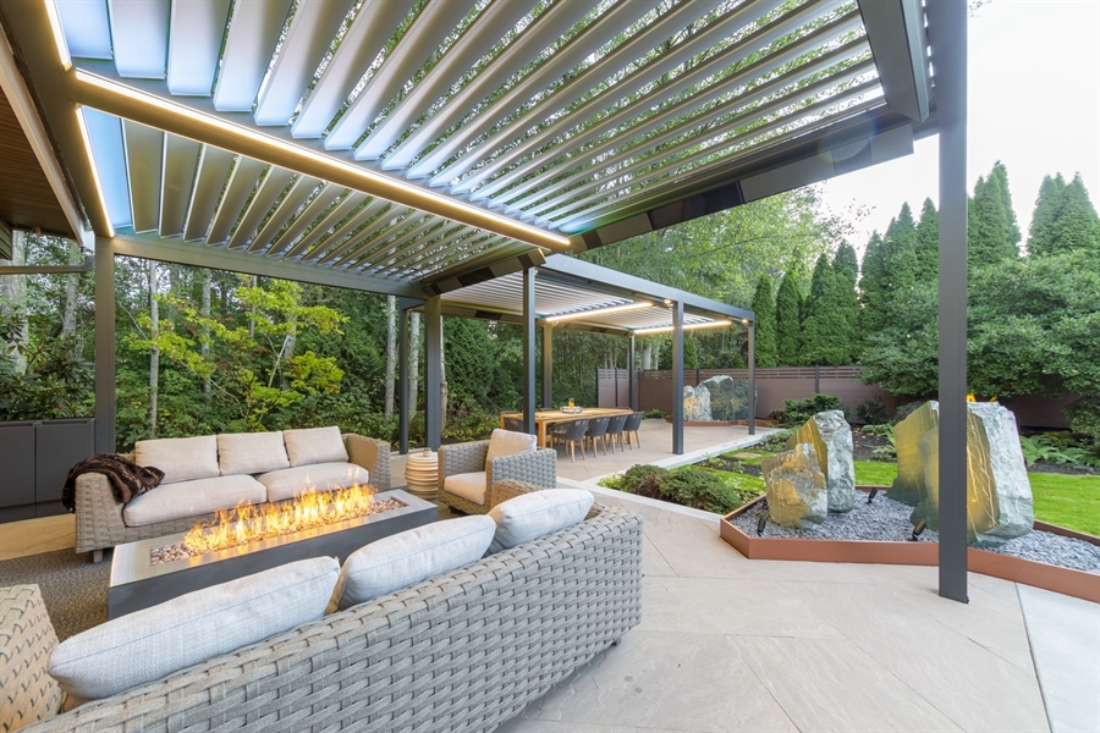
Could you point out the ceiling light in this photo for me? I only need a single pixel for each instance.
(58, 35)
(638, 305)
(109, 96)
(688, 327)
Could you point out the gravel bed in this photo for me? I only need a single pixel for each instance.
(887, 520)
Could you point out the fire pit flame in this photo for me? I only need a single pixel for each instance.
(246, 524)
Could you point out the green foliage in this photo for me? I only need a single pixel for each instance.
(796, 412)
(1012, 227)
(788, 324)
(763, 306)
(873, 290)
(989, 228)
(875, 473)
(887, 452)
(826, 333)
(928, 242)
(1077, 226)
(1072, 502)
(872, 411)
(691, 486)
(776, 441)
(1084, 416)
(1042, 238)
(846, 269)
(639, 474)
(654, 413)
(55, 383)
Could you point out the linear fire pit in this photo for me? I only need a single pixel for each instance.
(137, 581)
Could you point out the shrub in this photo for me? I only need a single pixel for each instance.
(796, 412)
(1084, 416)
(905, 411)
(872, 412)
(701, 489)
(776, 441)
(635, 476)
(658, 414)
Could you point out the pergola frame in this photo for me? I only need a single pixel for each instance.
(153, 95)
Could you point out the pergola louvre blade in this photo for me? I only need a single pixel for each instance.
(214, 167)
(253, 32)
(194, 45)
(180, 158)
(144, 160)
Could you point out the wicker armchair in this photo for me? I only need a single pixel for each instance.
(539, 468)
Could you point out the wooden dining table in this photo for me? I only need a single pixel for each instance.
(543, 418)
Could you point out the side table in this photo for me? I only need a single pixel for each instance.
(422, 474)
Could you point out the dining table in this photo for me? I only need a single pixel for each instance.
(545, 418)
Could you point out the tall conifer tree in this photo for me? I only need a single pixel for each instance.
(763, 307)
(788, 326)
(822, 329)
(1012, 230)
(987, 225)
(1077, 226)
(873, 289)
(928, 242)
(1048, 208)
(846, 270)
(900, 251)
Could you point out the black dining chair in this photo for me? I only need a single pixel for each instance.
(615, 430)
(597, 429)
(571, 433)
(633, 422)
(515, 424)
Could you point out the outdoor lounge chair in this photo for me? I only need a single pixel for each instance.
(468, 472)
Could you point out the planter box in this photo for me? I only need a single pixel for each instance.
(1049, 577)
(35, 456)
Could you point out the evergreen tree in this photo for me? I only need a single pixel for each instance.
(1077, 226)
(1048, 208)
(1012, 230)
(873, 290)
(691, 354)
(900, 251)
(822, 330)
(846, 270)
(763, 306)
(928, 243)
(788, 326)
(987, 225)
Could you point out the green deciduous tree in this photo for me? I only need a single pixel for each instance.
(763, 306)
(788, 326)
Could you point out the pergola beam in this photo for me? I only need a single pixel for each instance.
(895, 30)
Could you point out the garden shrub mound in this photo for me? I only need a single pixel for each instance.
(796, 412)
(689, 486)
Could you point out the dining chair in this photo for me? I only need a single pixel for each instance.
(615, 427)
(597, 429)
(571, 433)
(633, 422)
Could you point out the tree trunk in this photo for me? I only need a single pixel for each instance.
(154, 353)
(391, 353)
(414, 360)
(647, 356)
(252, 315)
(289, 343)
(68, 311)
(204, 311)
(13, 297)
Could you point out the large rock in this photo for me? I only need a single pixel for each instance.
(797, 496)
(831, 436)
(998, 493)
(909, 487)
(697, 404)
(729, 397)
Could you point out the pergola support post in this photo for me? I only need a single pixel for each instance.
(529, 350)
(547, 366)
(752, 378)
(678, 378)
(104, 346)
(405, 408)
(947, 29)
(630, 372)
(433, 372)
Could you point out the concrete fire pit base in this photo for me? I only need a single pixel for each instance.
(1074, 583)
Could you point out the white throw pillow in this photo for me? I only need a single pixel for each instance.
(251, 453)
(315, 445)
(154, 642)
(408, 557)
(538, 513)
(181, 459)
(508, 443)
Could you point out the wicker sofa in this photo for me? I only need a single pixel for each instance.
(538, 468)
(101, 524)
(461, 652)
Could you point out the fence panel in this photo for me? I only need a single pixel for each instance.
(612, 388)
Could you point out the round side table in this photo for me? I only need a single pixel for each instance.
(422, 474)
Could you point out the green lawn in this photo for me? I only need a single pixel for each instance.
(1072, 502)
(875, 473)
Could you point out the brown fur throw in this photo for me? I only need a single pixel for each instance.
(128, 480)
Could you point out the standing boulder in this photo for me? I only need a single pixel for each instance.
(697, 404)
(831, 436)
(797, 496)
(908, 487)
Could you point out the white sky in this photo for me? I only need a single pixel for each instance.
(1034, 89)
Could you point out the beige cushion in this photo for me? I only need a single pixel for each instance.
(291, 482)
(530, 516)
(408, 557)
(316, 445)
(181, 459)
(27, 692)
(251, 453)
(202, 496)
(154, 642)
(470, 486)
(508, 443)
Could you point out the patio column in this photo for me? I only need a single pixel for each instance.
(104, 346)
(630, 373)
(547, 366)
(529, 350)
(947, 30)
(678, 378)
(433, 372)
(405, 408)
(752, 377)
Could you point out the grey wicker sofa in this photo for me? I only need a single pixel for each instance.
(538, 468)
(461, 652)
(99, 518)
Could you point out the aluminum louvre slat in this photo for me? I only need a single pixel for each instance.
(428, 31)
(341, 211)
(429, 246)
(275, 182)
(491, 25)
(253, 32)
(365, 38)
(242, 182)
(626, 52)
(402, 245)
(355, 259)
(180, 158)
(493, 250)
(144, 159)
(194, 45)
(348, 229)
(392, 223)
(313, 210)
(602, 30)
(214, 166)
(139, 35)
(467, 252)
(311, 31)
(87, 29)
(358, 238)
(303, 187)
(527, 46)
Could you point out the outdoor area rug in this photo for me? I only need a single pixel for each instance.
(75, 590)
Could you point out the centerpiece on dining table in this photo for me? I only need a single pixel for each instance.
(572, 409)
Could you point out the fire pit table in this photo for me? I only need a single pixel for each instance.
(144, 574)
